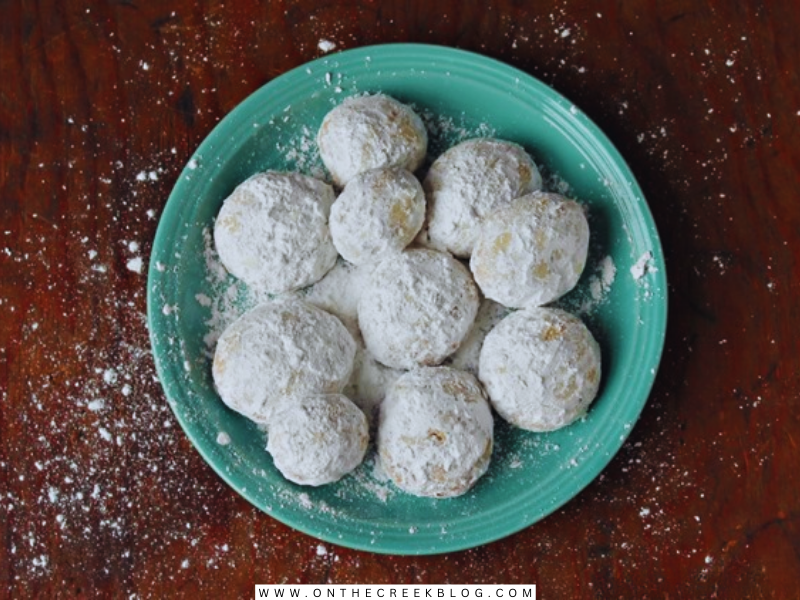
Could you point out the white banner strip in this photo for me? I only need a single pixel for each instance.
(395, 592)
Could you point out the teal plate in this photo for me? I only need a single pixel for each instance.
(461, 95)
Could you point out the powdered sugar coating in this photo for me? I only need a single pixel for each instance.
(367, 132)
(369, 382)
(378, 213)
(531, 252)
(541, 368)
(467, 357)
(435, 434)
(338, 293)
(318, 439)
(272, 231)
(469, 182)
(277, 351)
(417, 308)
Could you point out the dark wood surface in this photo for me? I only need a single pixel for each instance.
(100, 492)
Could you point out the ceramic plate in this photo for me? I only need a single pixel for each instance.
(621, 296)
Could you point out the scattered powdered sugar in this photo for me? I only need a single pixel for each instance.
(600, 283)
(640, 269)
(229, 298)
(110, 376)
(223, 439)
(97, 404)
(466, 358)
(643, 266)
(326, 45)
(40, 562)
(445, 131)
(88, 504)
(372, 479)
(216, 275)
(147, 176)
(202, 299)
(135, 264)
(304, 500)
(301, 154)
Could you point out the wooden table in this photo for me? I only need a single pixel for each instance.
(102, 103)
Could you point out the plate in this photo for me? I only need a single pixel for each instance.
(621, 296)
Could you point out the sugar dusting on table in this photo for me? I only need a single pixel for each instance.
(77, 492)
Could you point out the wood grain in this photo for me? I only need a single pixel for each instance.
(100, 492)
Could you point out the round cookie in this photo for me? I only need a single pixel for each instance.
(469, 182)
(318, 439)
(379, 212)
(435, 432)
(531, 252)
(277, 351)
(367, 132)
(416, 309)
(541, 368)
(272, 231)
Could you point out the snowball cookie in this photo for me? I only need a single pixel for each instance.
(531, 252)
(469, 182)
(272, 231)
(435, 432)
(367, 132)
(378, 213)
(416, 309)
(318, 439)
(541, 368)
(279, 350)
